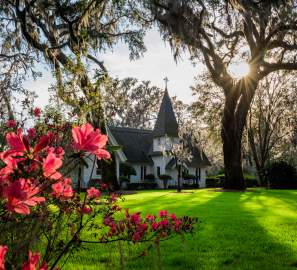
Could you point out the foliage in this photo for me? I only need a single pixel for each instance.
(150, 177)
(213, 181)
(68, 35)
(187, 176)
(190, 186)
(142, 185)
(271, 119)
(40, 210)
(124, 179)
(218, 180)
(221, 33)
(165, 178)
(127, 170)
(16, 64)
(130, 103)
(280, 174)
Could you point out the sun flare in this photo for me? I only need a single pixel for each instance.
(239, 70)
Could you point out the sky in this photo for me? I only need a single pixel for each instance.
(156, 64)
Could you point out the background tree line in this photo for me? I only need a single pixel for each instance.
(69, 35)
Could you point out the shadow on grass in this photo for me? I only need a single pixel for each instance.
(252, 230)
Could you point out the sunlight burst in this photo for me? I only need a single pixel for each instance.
(239, 70)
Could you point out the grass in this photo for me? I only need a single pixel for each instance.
(251, 230)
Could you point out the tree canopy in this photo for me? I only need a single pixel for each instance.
(219, 33)
(68, 34)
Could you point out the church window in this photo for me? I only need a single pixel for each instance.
(198, 173)
(142, 172)
(158, 171)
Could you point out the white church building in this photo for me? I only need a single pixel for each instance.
(143, 149)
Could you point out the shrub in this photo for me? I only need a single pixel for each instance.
(40, 210)
(189, 186)
(150, 177)
(218, 180)
(127, 169)
(251, 180)
(165, 178)
(212, 182)
(142, 185)
(124, 182)
(124, 179)
(95, 183)
(189, 176)
(280, 174)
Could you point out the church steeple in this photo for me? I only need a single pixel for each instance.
(166, 123)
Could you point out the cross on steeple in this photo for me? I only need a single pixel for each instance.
(166, 80)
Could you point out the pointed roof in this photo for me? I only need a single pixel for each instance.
(166, 123)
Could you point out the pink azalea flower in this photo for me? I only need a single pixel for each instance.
(60, 152)
(31, 133)
(114, 197)
(155, 226)
(3, 251)
(86, 209)
(177, 225)
(150, 217)
(135, 218)
(163, 213)
(93, 193)
(142, 227)
(136, 237)
(44, 266)
(164, 223)
(10, 161)
(107, 221)
(11, 123)
(173, 216)
(63, 189)
(21, 195)
(17, 141)
(90, 140)
(37, 112)
(43, 142)
(19, 144)
(50, 165)
(32, 262)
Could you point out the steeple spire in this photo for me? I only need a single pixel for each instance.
(166, 80)
(166, 124)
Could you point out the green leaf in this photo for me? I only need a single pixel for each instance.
(114, 148)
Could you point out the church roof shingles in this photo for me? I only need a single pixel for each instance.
(136, 143)
(166, 123)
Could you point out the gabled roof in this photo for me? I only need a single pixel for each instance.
(136, 143)
(198, 156)
(199, 159)
(166, 123)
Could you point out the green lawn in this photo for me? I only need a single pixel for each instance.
(251, 230)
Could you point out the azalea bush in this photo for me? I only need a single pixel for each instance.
(42, 218)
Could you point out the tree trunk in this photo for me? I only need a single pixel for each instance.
(237, 103)
(232, 160)
(178, 179)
